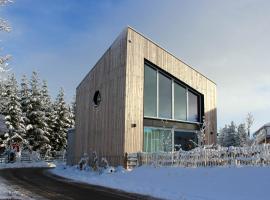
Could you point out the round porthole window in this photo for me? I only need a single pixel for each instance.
(97, 98)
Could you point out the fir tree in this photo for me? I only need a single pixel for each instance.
(222, 136)
(37, 129)
(61, 123)
(25, 99)
(73, 112)
(3, 96)
(13, 113)
(231, 138)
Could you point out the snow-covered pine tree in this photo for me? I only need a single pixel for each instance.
(47, 107)
(222, 135)
(3, 90)
(13, 113)
(73, 112)
(231, 138)
(37, 128)
(25, 99)
(243, 135)
(61, 123)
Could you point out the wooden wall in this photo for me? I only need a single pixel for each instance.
(118, 75)
(140, 48)
(101, 128)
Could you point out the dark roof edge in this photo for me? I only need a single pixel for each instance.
(168, 52)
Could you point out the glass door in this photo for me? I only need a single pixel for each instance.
(185, 140)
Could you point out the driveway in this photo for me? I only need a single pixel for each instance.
(40, 184)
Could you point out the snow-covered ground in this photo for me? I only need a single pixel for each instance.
(246, 183)
(8, 192)
(26, 165)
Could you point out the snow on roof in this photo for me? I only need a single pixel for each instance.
(267, 125)
(3, 128)
(264, 126)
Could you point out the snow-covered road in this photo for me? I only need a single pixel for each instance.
(10, 192)
(39, 184)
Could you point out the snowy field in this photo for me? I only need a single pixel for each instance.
(246, 183)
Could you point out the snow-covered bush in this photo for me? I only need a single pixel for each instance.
(94, 161)
(83, 163)
(105, 167)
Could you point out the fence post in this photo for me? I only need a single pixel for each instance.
(126, 160)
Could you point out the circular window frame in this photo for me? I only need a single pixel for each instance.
(97, 98)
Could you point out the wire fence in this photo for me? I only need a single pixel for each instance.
(258, 155)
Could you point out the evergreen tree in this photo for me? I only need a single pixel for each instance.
(222, 136)
(61, 123)
(231, 138)
(243, 135)
(3, 96)
(25, 99)
(13, 113)
(73, 112)
(47, 103)
(37, 129)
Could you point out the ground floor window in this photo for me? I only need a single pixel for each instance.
(157, 140)
(185, 140)
(164, 140)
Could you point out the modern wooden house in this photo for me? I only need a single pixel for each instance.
(139, 97)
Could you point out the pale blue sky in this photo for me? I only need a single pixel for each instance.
(228, 41)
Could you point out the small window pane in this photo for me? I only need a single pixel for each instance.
(165, 97)
(180, 102)
(193, 111)
(150, 92)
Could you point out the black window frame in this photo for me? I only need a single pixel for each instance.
(181, 83)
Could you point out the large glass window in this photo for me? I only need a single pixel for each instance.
(180, 102)
(159, 93)
(193, 110)
(185, 140)
(165, 97)
(150, 92)
(157, 140)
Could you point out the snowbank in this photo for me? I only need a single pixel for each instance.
(247, 183)
(25, 165)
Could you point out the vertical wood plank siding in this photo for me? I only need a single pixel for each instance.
(119, 76)
(140, 48)
(101, 128)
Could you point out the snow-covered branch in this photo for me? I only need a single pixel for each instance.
(5, 2)
(4, 26)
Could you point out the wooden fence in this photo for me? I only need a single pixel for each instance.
(258, 155)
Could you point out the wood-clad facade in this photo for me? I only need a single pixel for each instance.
(116, 125)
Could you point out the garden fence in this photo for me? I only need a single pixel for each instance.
(258, 155)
